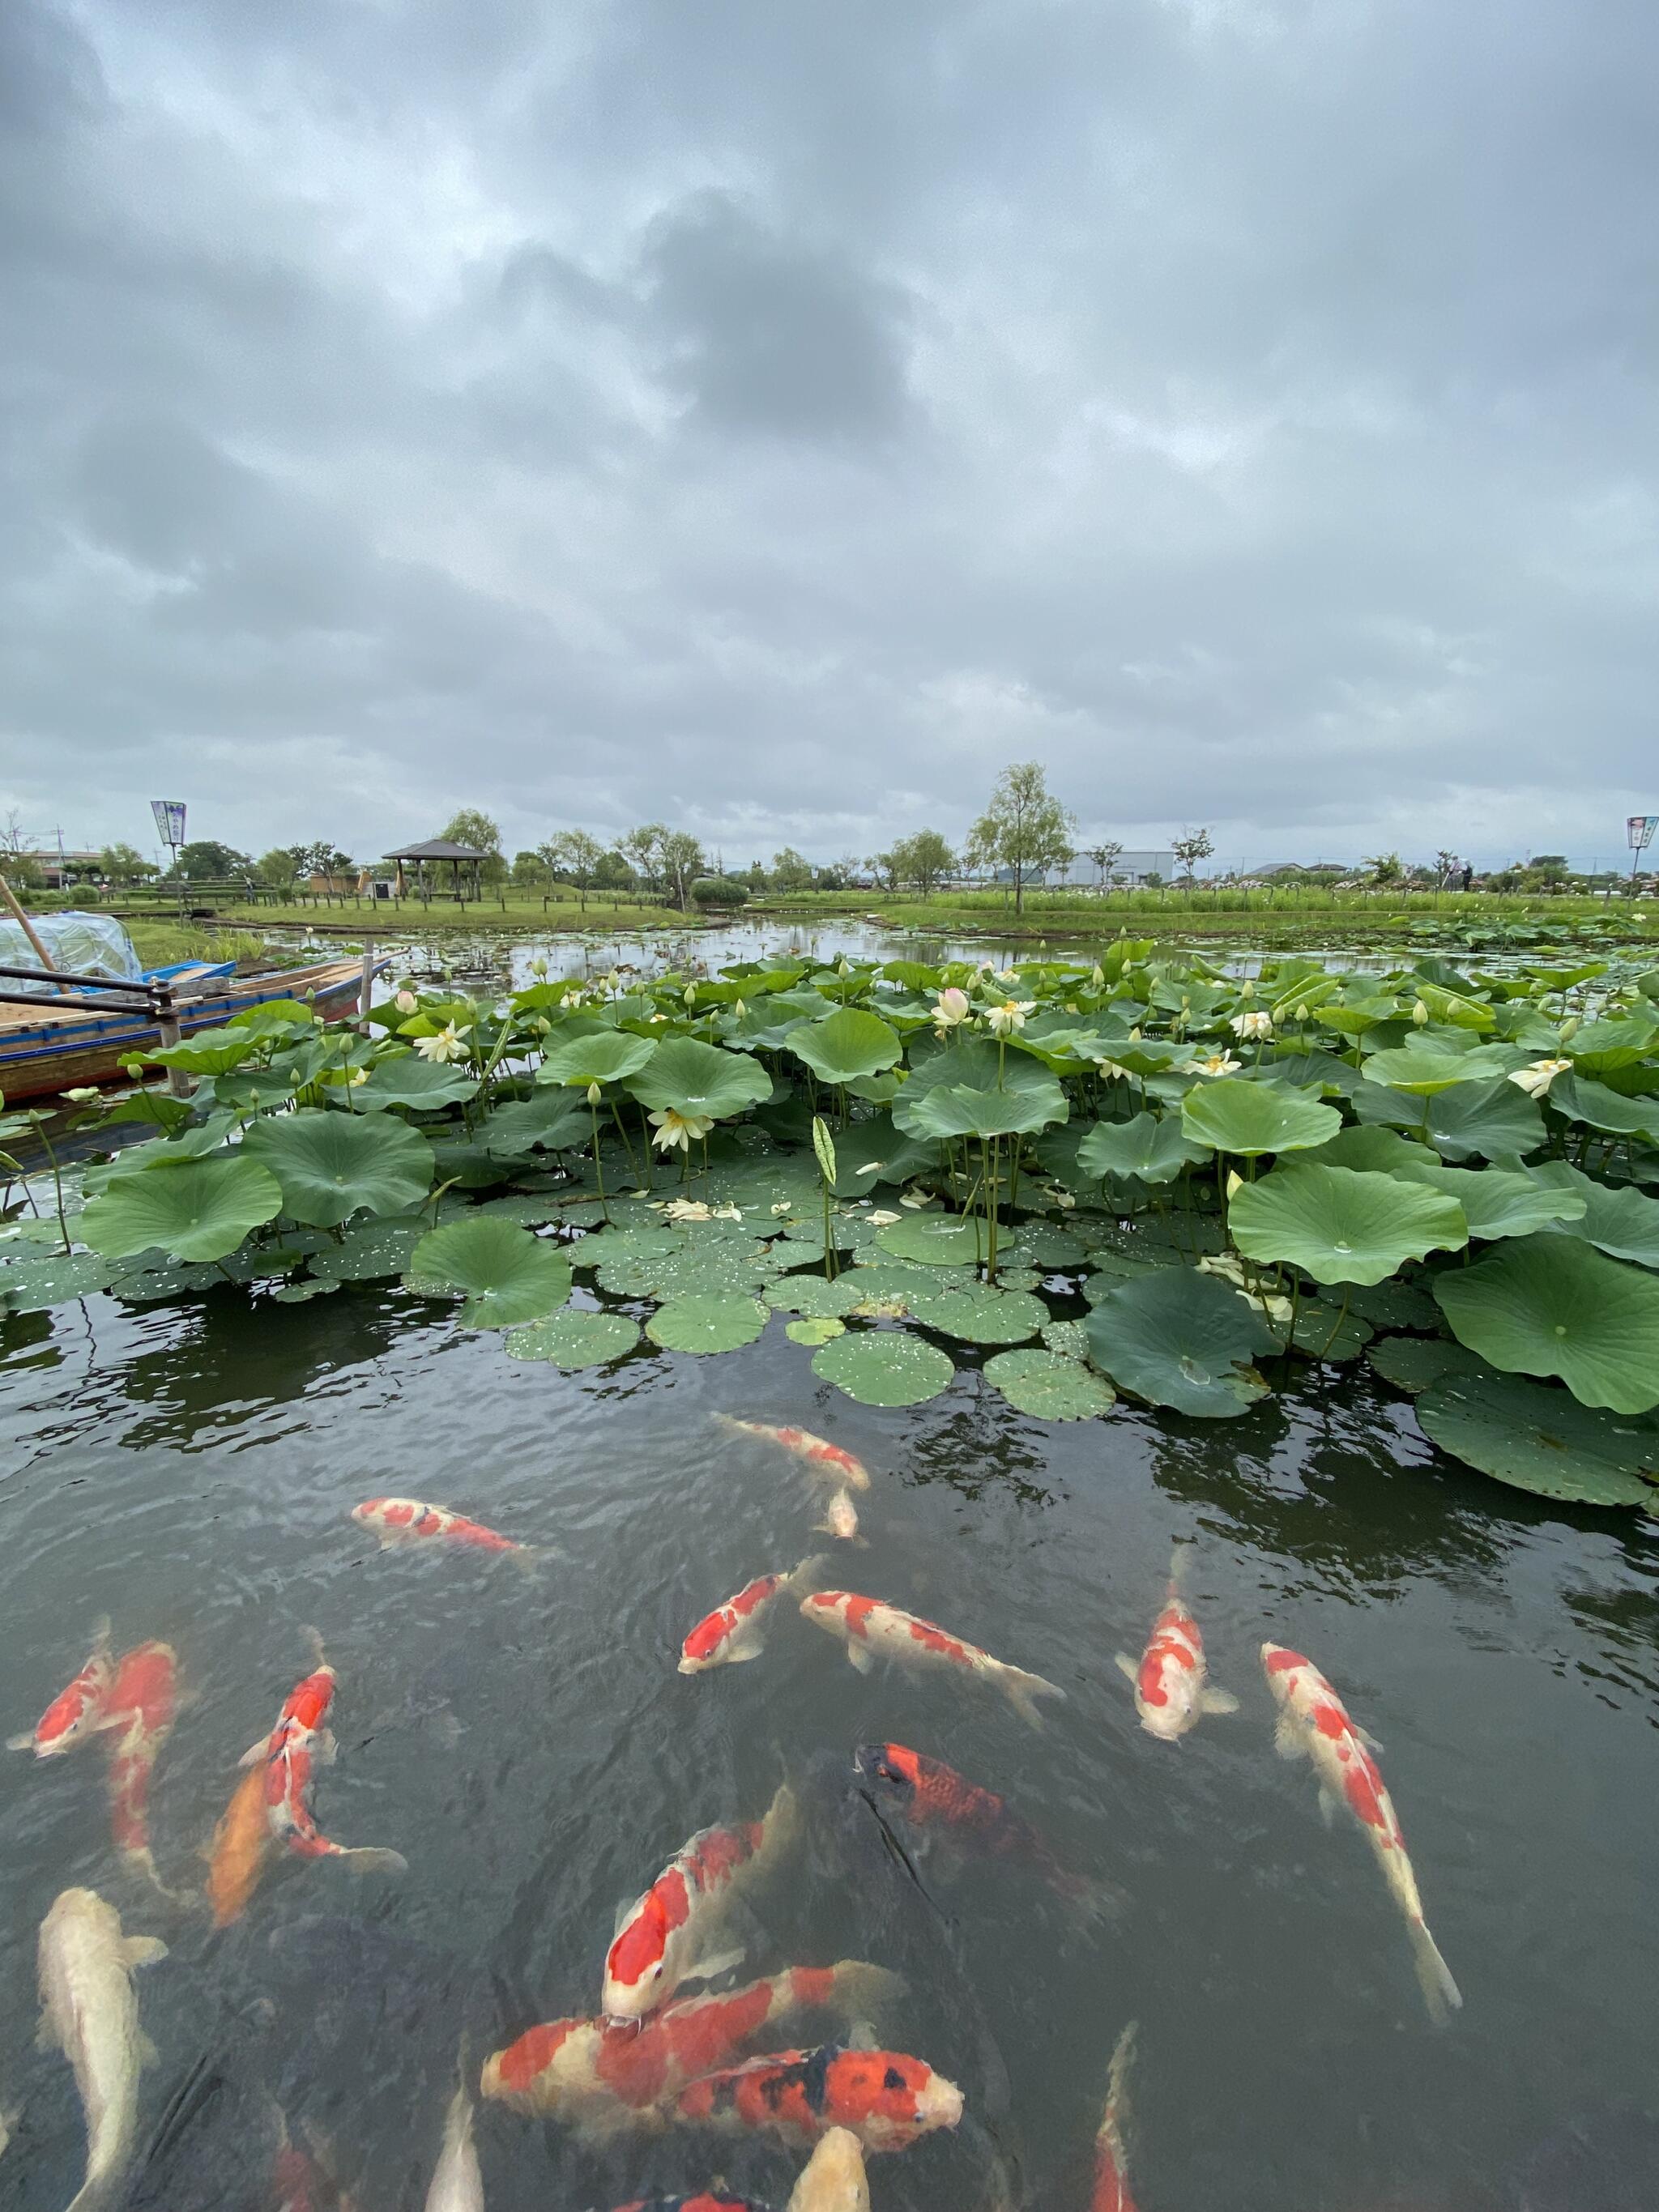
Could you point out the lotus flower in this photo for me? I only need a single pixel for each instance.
(883, 1219)
(405, 1001)
(1009, 1016)
(447, 1045)
(594, 1094)
(1216, 1063)
(1536, 1079)
(81, 1092)
(672, 1128)
(950, 1007)
(687, 1209)
(1097, 975)
(1257, 1023)
(1419, 1014)
(538, 969)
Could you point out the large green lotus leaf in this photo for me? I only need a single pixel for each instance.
(254, 1090)
(1153, 1146)
(1068, 1338)
(550, 1122)
(884, 1367)
(1325, 1332)
(1419, 1071)
(406, 1079)
(1418, 1363)
(1342, 1225)
(846, 1045)
(1181, 1338)
(507, 1275)
(1049, 1386)
(648, 1241)
(1619, 1041)
(372, 1248)
(333, 1165)
(938, 1240)
(1232, 1115)
(1541, 1440)
(1395, 1304)
(197, 1212)
(1377, 1150)
(575, 1338)
(1500, 1202)
(1050, 1246)
(1619, 1220)
(1484, 1120)
(813, 1296)
(209, 1052)
(955, 1110)
(467, 1166)
(606, 1056)
(53, 1280)
(972, 1064)
(978, 1314)
(1555, 1305)
(684, 1076)
(1377, 1107)
(711, 1321)
(1598, 1108)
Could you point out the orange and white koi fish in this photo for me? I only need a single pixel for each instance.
(872, 1630)
(934, 1800)
(659, 1937)
(138, 1714)
(408, 1520)
(834, 2180)
(300, 1743)
(885, 2099)
(1314, 1723)
(827, 1460)
(705, 2199)
(601, 2077)
(240, 1846)
(1170, 1691)
(1111, 2192)
(73, 1715)
(841, 1519)
(734, 1632)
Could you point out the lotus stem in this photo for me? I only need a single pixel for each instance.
(598, 1166)
(991, 1263)
(39, 1121)
(623, 1134)
(1347, 1292)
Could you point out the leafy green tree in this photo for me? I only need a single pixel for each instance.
(791, 872)
(1384, 869)
(205, 858)
(1024, 829)
(471, 825)
(324, 858)
(123, 864)
(1190, 848)
(612, 872)
(885, 867)
(575, 855)
(679, 863)
(643, 848)
(529, 871)
(1105, 857)
(923, 861)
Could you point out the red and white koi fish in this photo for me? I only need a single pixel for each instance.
(1111, 2192)
(457, 2179)
(408, 1520)
(601, 2077)
(138, 1714)
(887, 2100)
(705, 2199)
(834, 2180)
(827, 1460)
(1171, 1692)
(733, 1631)
(935, 1800)
(841, 1519)
(659, 1937)
(1314, 1723)
(872, 1630)
(73, 1715)
(300, 1743)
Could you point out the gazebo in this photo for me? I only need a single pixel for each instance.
(440, 850)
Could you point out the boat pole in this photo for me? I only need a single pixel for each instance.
(26, 925)
(167, 1022)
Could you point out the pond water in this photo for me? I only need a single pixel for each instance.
(525, 1741)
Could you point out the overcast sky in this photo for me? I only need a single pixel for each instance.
(775, 418)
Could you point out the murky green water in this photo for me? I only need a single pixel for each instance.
(527, 1742)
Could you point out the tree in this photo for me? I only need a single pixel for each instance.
(679, 863)
(206, 857)
(612, 872)
(1024, 829)
(324, 858)
(575, 854)
(529, 871)
(1190, 848)
(643, 847)
(471, 825)
(123, 864)
(885, 867)
(1384, 869)
(791, 872)
(923, 861)
(1105, 857)
(1446, 865)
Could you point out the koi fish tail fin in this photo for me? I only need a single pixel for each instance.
(864, 1991)
(781, 1828)
(1114, 2120)
(1178, 1559)
(1022, 1690)
(532, 1559)
(1440, 1992)
(803, 1580)
(313, 1640)
(101, 1634)
(141, 1860)
(366, 1860)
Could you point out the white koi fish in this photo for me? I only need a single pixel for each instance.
(457, 2180)
(1314, 1723)
(734, 1632)
(1170, 1695)
(828, 1461)
(841, 1519)
(834, 2179)
(872, 1630)
(89, 2012)
(659, 1937)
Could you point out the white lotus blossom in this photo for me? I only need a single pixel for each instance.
(1215, 1063)
(1419, 1014)
(1536, 1079)
(1009, 1016)
(738, 1009)
(538, 969)
(448, 1044)
(81, 1092)
(405, 1001)
(1113, 1073)
(1257, 1023)
(675, 1128)
(950, 1007)
(594, 1094)
(1302, 1010)
(690, 995)
(356, 1079)
(1097, 976)
(1005, 974)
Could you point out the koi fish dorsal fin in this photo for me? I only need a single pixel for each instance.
(1126, 1665)
(1288, 1740)
(1218, 1701)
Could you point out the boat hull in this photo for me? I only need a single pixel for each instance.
(39, 1058)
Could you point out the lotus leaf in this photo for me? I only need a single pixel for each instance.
(1598, 1108)
(1050, 1387)
(1152, 1146)
(252, 1089)
(1395, 1304)
(467, 1166)
(884, 1367)
(846, 1045)
(1485, 1120)
(1373, 1150)
(1421, 1071)
(938, 1240)
(685, 1077)
(332, 1166)
(1555, 1305)
(550, 1122)
(1497, 1203)
(812, 1295)
(574, 1337)
(301, 1293)
(1342, 1225)
(171, 1278)
(708, 1322)
(973, 1064)
(1181, 1338)
(1049, 1248)
(1620, 1221)
(1540, 1440)
(1325, 1332)
(1377, 1107)
(372, 1248)
(1232, 1115)
(200, 1211)
(405, 1079)
(209, 1052)
(956, 1110)
(606, 1056)
(1068, 1338)
(1603, 1048)
(507, 1273)
(980, 1315)
(1418, 1363)
(815, 1329)
(31, 1285)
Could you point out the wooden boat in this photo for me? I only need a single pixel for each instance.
(46, 1048)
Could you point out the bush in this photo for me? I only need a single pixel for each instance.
(719, 891)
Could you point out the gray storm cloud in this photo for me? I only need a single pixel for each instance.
(777, 419)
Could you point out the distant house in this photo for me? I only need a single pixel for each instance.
(1081, 873)
(56, 870)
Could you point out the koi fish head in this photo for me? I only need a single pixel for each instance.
(706, 1640)
(886, 2097)
(892, 1766)
(636, 1964)
(1286, 1670)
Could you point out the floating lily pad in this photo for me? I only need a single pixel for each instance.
(818, 1328)
(1178, 1338)
(1049, 1248)
(937, 1240)
(300, 1293)
(1325, 1332)
(1555, 1305)
(884, 1367)
(644, 1242)
(711, 1322)
(32, 1286)
(1068, 1338)
(574, 1337)
(1418, 1363)
(812, 1295)
(1233, 1114)
(174, 1279)
(1017, 1278)
(331, 1165)
(1342, 1225)
(507, 1275)
(980, 1315)
(1394, 1305)
(1541, 1440)
(371, 1249)
(200, 1211)
(1051, 1387)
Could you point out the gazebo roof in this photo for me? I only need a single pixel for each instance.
(438, 848)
